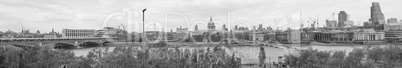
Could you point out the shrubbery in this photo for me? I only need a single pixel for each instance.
(370, 57)
(119, 57)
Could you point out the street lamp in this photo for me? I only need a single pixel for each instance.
(143, 29)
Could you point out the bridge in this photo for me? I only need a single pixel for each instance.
(73, 42)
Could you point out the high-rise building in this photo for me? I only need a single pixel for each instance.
(392, 20)
(211, 25)
(376, 15)
(400, 21)
(342, 17)
(331, 23)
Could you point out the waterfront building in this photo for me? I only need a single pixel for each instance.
(112, 31)
(392, 20)
(393, 26)
(348, 24)
(377, 17)
(294, 36)
(242, 29)
(177, 36)
(342, 17)
(181, 30)
(368, 37)
(393, 36)
(282, 37)
(334, 37)
(51, 34)
(153, 36)
(331, 23)
(78, 33)
(269, 28)
(368, 24)
(211, 25)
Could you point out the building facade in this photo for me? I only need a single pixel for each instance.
(393, 26)
(78, 33)
(369, 36)
(393, 36)
(331, 23)
(348, 23)
(181, 30)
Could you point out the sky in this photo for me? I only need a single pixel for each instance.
(45, 15)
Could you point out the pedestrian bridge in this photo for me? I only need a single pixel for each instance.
(59, 42)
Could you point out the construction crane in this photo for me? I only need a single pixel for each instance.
(313, 24)
(23, 28)
(332, 16)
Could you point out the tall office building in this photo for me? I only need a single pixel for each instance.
(342, 17)
(376, 15)
(392, 20)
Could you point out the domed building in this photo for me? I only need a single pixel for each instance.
(211, 25)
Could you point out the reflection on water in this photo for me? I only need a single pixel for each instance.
(248, 54)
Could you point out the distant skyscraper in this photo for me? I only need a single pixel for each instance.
(392, 20)
(211, 25)
(376, 15)
(342, 17)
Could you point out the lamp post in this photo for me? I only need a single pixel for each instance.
(143, 29)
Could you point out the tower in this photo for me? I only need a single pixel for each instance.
(376, 15)
(342, 17)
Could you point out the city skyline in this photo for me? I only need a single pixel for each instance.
(45, 15)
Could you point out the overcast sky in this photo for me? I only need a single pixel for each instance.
(44, 15)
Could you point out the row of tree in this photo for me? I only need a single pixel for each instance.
(119, 57)
(368, 57)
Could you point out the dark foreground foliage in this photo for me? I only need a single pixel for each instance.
(119, 57)
(369, 57)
